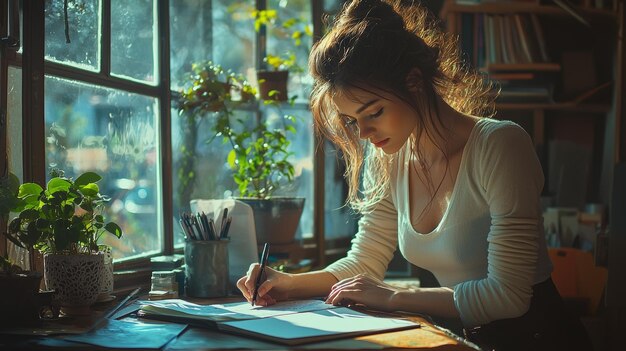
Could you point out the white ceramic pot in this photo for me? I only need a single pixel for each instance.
(76, 279)
(107, 276)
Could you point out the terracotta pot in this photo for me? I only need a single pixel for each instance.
(276, 220)
(273, 80)
(76, 279)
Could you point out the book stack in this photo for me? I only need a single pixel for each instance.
(523, 86)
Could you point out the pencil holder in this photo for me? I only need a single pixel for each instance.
(206, 273)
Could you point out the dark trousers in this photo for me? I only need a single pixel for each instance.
(546, 326)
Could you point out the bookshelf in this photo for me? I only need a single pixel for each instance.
(556, 64)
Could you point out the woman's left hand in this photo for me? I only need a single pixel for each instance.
(362, 289)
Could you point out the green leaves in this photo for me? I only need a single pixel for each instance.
(259, 151)
(260, 159)
(58, 184)
(66, 216)
(113, 229)
(87, 178)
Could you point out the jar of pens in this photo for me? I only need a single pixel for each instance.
(206, 254)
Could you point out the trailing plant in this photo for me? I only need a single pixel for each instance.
(207, 89)
(65, 217)
(259, 155)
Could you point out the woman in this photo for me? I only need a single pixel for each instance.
(458, 194)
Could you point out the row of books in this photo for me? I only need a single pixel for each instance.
(502, 39)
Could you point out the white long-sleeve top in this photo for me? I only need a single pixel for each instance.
(489, 246)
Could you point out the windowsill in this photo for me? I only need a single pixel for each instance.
(129, 279)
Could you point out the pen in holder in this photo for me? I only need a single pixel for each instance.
(206, 274)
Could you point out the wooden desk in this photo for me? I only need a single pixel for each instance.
(427, 337)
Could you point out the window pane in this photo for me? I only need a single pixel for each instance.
(114, 133)
(339, 220)
(14, 146)
(190, 37)
(133, 39)
(281, 41)
(233, 36)
(82, 23)
(14, 120)
(302, 148)
(211, 30)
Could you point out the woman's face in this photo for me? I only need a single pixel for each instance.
(382, 118)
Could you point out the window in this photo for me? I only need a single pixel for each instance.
(107, 121)
(111, 70)
(227, 33)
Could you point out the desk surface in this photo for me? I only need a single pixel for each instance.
(428, 336)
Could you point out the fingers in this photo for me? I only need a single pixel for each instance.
(241, 285)
(246, 283)
(264, 300)
(346, 291)
(344, 297)
(361, 278)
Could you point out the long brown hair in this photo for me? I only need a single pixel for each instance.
(377, 44)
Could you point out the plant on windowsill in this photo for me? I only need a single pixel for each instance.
(259, 153)
(273, 81)
(64, 222)
(208, 90)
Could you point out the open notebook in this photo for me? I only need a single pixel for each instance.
(289, 322)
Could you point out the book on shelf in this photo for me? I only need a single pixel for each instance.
(290, 322)
(525, 94)
(488, 39)
(541, 41)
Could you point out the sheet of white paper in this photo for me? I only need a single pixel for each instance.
(319, 324)
(231, 311)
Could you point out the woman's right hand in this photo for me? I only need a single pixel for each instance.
(275, 285)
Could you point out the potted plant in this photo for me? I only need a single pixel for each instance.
(273, 81)
(259, 158)
(208, 90)
(64, 221)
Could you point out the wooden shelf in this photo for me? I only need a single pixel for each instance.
(559, 106)
(533, 66)
(518, 7)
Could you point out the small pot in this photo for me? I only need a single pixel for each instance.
(76, 279)
(20, 301)
(273, 80)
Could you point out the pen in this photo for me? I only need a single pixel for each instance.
(224, 234)
(264, 255)
(223, 223)
(112, 311)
